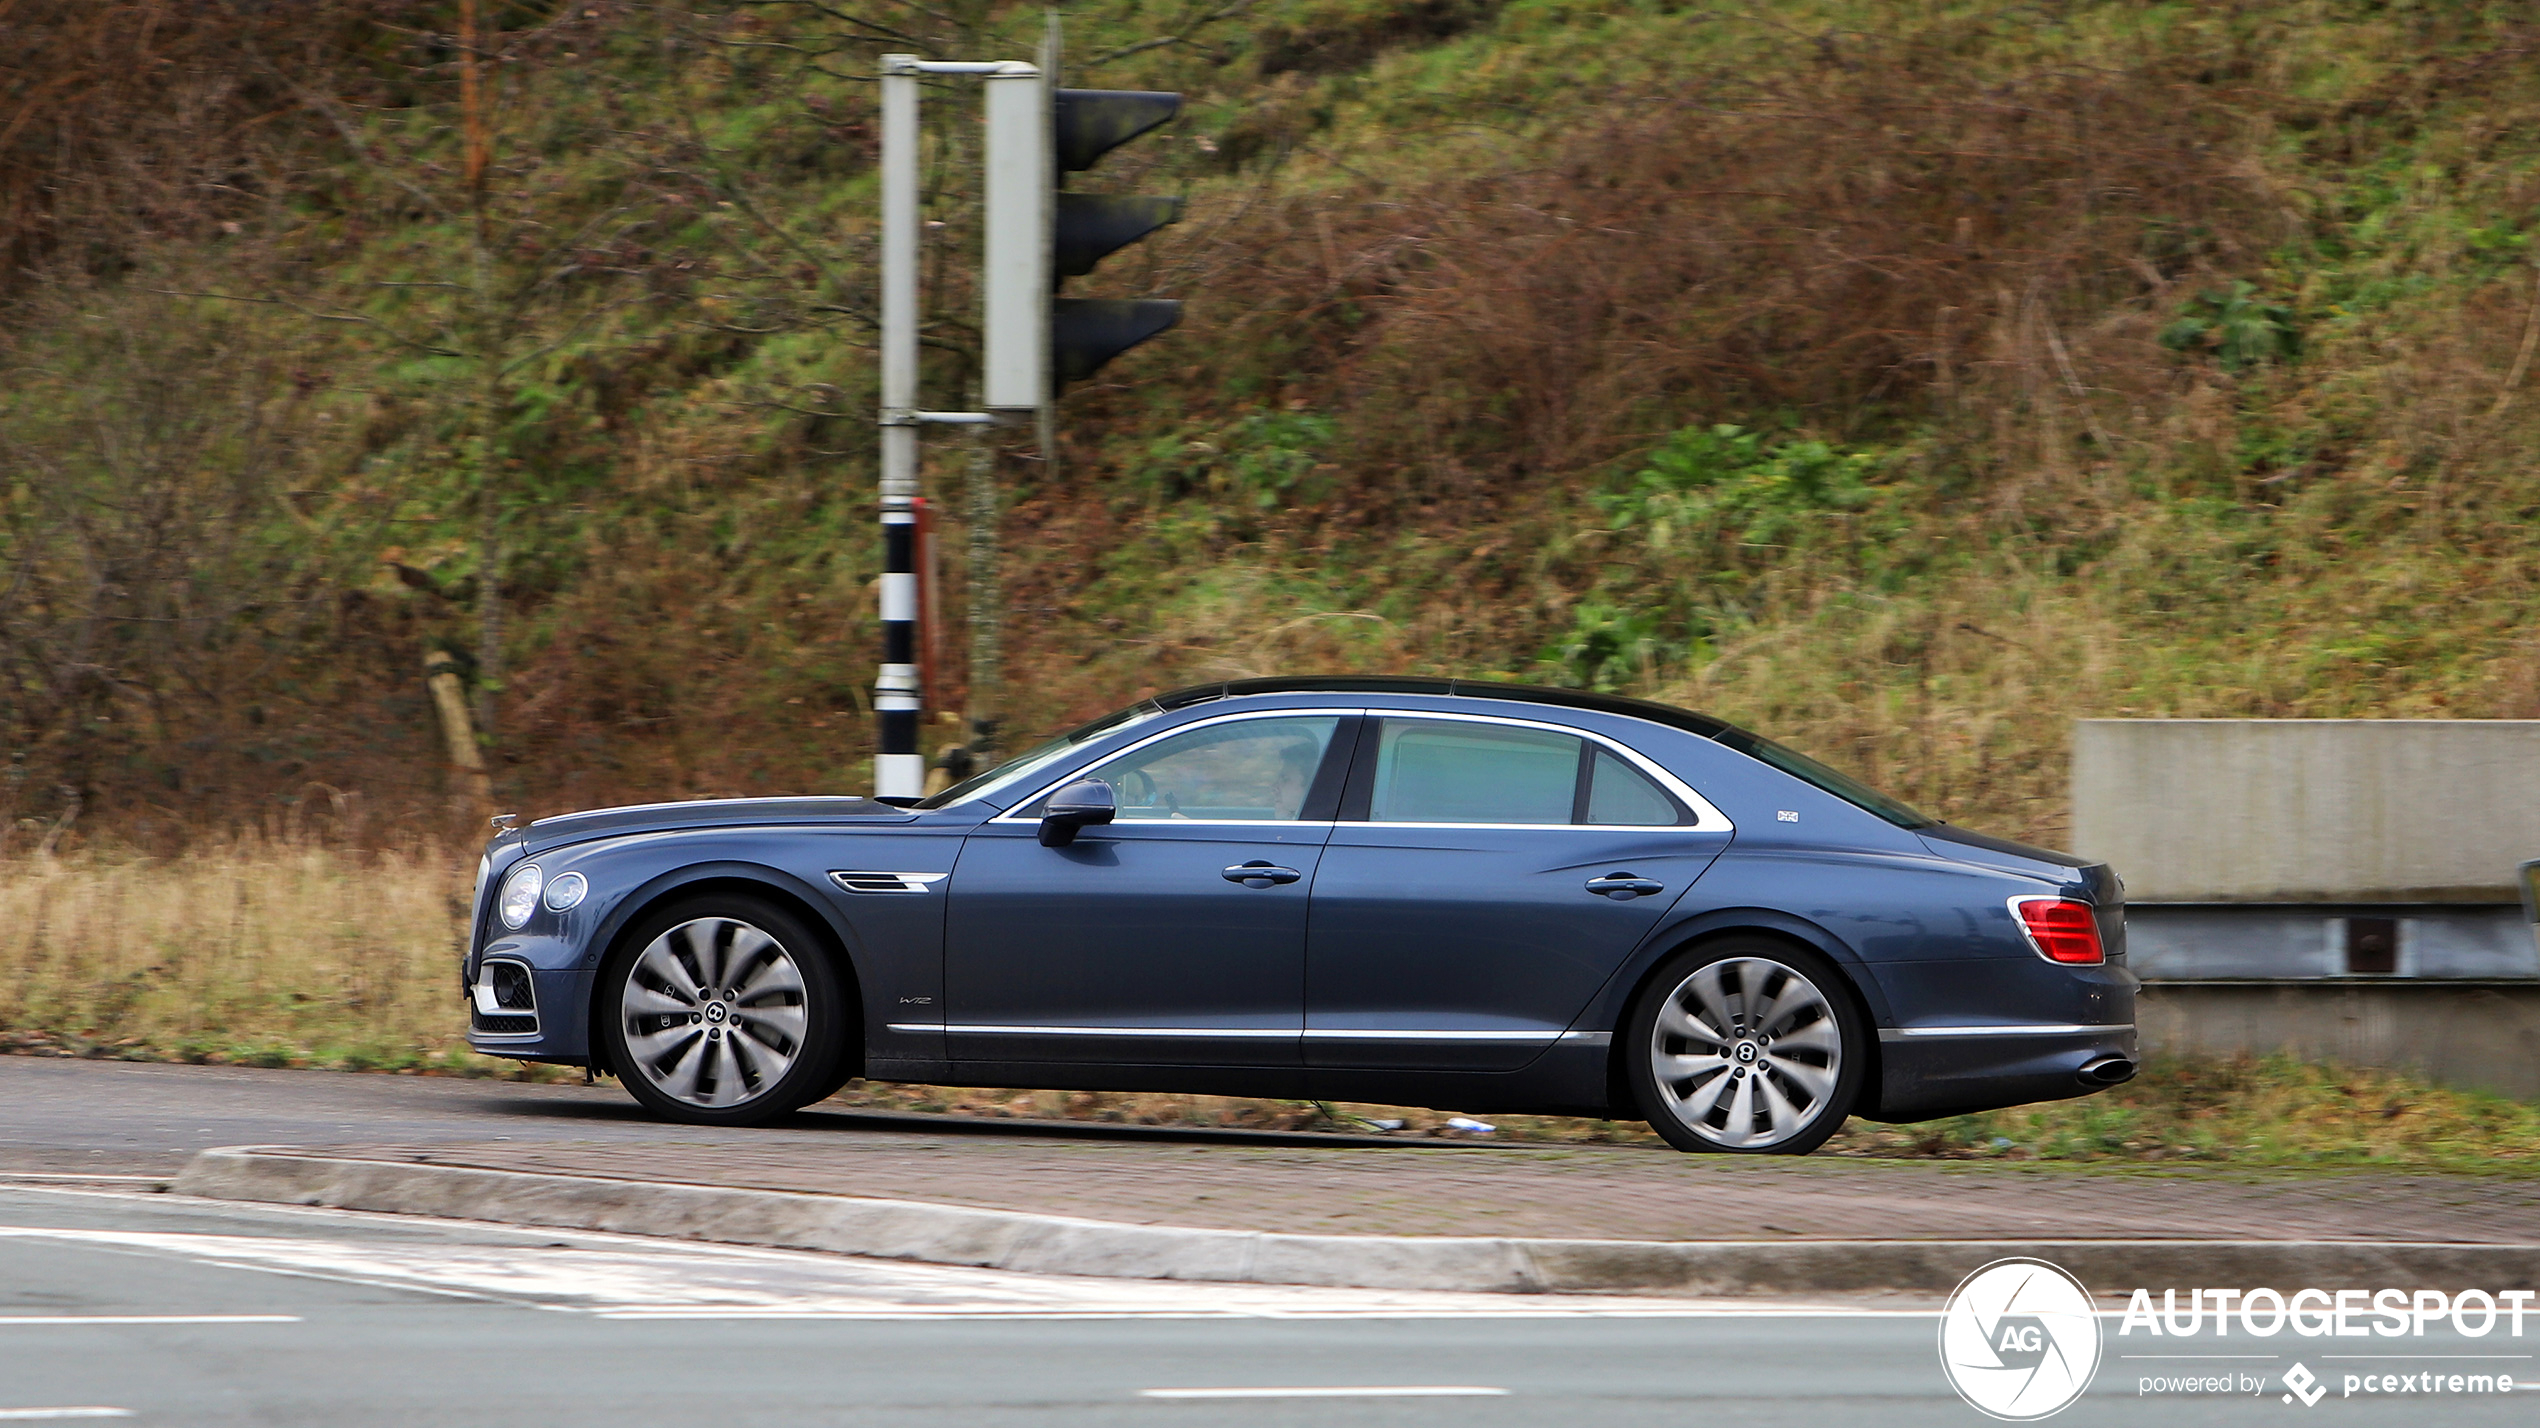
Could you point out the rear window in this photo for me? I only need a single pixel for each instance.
(1842, 785)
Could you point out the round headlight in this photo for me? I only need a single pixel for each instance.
(520, 895)
(565, 891)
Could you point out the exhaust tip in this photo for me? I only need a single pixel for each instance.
(2107, 1071)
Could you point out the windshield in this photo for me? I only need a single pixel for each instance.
(1002, 779)
(1799, 766)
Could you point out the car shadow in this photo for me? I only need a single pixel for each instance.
(869, 1122)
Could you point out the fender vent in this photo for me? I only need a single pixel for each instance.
(888, 882)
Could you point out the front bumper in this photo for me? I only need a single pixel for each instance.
(556, 1027)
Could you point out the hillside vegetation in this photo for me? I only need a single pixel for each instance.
(1903, 379)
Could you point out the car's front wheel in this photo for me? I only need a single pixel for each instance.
(1747, 1045)
(722, 1010)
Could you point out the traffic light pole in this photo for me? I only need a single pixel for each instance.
(1032, 342)
(899, 768)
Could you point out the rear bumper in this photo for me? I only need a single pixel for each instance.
(1931, 1070)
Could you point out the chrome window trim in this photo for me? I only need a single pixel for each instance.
(2024, 1028)
(1707, 816)
(1010, 816)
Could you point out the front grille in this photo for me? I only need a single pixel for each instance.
(505, 1025)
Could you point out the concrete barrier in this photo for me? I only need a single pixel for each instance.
(2309, 810)
(2477, 1035)
(1054, 1244)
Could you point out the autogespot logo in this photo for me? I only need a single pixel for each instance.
(2019, 1340)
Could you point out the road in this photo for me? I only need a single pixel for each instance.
(61, 1116)
(176, 1311)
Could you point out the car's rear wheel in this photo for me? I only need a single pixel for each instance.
(723, 1010)
(1746, 1046)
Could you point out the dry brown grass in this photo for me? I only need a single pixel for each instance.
(251, 951)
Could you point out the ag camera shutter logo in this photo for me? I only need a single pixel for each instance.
(2019, 1340)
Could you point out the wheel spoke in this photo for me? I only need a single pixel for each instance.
(776, 974)
(681, 1079)
(1714, 1004)
(1752, 977)
(1674, 1069)
(663, 966)
(714, 960)
(1817, 1081)
(1794, 1000)
(1741, 1127)
(762, 1057)
(650, 1047)
(787, 1022)
(642, 999)
(1705, 1098)
(1786, 1117)
(1817, 1036)
(1679, 1021)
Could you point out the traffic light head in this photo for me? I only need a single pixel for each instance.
(1086, 124)
(1038, 237)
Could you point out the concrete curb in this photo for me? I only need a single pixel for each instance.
(1055, 1244)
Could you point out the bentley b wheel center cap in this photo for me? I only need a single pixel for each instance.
(714, 1011)
(1745, 1052)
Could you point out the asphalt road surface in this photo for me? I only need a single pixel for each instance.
(66, 1117)
(168, 1310)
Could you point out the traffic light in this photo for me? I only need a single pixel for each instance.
(1038, 236)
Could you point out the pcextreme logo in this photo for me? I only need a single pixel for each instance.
(2019, 1340)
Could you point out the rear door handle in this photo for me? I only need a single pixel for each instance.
(1622, 887)
(1261, 873)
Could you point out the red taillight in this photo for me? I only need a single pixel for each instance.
(2062, 929)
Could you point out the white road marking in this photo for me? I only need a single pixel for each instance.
(1406, 1391)
(25, 1321)
(24, 1413)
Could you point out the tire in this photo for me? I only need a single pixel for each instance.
(1709, 1078)
(686, 1048)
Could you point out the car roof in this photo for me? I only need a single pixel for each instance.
(1667, 714)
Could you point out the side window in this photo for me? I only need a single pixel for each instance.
(1617, 793)
(1453, 772)
(1256, 770)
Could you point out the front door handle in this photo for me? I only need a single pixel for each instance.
(1260, 873)
(1622, 887)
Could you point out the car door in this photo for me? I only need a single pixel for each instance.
(1175, 935)
(1486, 876)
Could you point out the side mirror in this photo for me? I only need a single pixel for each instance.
(1081, 804)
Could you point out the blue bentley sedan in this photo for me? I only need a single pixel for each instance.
(1483, 897)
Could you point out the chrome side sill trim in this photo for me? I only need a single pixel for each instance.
(1258, 1033)
(2037, 1028)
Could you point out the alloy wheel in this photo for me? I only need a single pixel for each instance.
(714, 1012)
(1746, 1053)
